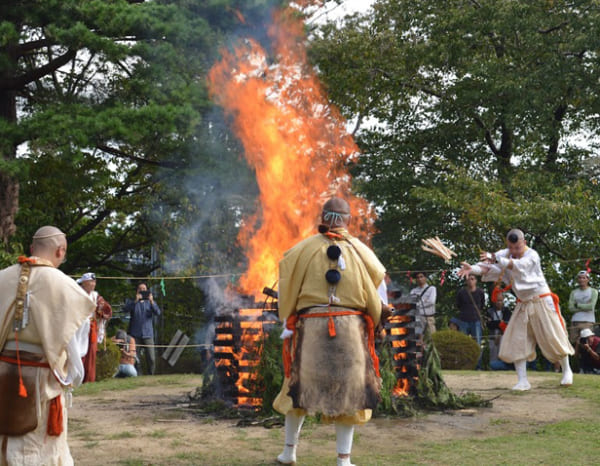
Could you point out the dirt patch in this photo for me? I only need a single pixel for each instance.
(147, 425)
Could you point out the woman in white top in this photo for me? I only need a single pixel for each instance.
(582, 303)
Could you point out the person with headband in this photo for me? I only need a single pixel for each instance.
(582, 303)
(536, 317)
(328, 297)
(44, 333)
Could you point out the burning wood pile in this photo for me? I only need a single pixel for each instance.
(239, 335)
(406, 348)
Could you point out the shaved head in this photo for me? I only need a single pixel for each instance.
(49, 243)
(515, 235)
(337, 204)
(336, 213)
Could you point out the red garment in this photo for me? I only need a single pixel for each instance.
(89, 360)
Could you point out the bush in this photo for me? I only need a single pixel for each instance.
(456, 350)
(107, 360)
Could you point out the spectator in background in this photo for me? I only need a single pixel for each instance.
(454, 324)
(426, 296)
(497, 319)
(126, 344)
(470, 300)
(587, 350)
(98, 319)
(582, 303)
(141, 328)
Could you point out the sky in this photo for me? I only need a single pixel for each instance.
(331, 11)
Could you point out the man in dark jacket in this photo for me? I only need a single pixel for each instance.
(470, 301)
(140, 324)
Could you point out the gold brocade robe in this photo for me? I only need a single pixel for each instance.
(302, 285)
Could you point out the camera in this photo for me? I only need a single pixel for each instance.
(583, 341)
(145, 294)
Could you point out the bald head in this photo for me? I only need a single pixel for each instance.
(50, 243)
(336, 212)
(515, 235)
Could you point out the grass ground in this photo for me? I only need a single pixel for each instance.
(548, 425)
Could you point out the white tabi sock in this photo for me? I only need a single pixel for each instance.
(344, 435)
(293, 424)
(522, 383)
(567, 378)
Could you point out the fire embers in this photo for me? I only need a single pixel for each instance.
(406, 348)
(237, 351)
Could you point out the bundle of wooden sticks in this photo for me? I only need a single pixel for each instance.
(435, 246)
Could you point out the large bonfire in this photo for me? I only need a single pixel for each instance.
(294, 139)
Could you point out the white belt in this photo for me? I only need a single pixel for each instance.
(24, 346)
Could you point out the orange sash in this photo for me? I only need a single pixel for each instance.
(290, 344)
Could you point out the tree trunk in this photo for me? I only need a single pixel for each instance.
(9, 186)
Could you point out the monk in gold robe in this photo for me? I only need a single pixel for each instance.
(44, 329)
(328, 297)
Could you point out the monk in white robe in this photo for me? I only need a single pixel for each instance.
(328, 296)
(40, 358)
(536, 318)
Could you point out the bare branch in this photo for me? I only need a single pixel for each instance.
(119, 153)
(17, 82)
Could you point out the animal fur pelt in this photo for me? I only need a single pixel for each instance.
(333, 376)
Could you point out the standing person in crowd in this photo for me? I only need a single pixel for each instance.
(98, 319)
(470, 301)
(126, 344)
(586, 348)
(536, 318)
(142, 310)
(582, 303)
(497, 319)
(426, 296)
(44, 329)
(328, 298)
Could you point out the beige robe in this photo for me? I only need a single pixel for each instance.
(302, 285)
(58, 308)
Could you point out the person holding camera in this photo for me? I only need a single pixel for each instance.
(588, 352)
(126, 344)
(141, 311)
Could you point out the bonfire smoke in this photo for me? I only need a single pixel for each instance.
(294, 140)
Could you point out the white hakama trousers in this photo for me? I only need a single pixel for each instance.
(536, 321)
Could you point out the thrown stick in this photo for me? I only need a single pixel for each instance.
(436, 247)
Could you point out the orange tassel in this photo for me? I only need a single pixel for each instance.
(331, 327)
(55, 417)
(22, 389)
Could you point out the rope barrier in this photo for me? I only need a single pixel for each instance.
(165, 277)
(199, 345)
(237, 274)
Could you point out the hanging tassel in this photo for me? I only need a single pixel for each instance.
(331, 327)
(55, 417)
(22, 389)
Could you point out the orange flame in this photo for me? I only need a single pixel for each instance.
(401, 388)
(294, 139)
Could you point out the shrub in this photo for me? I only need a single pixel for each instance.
(456, 350)
(107, 360)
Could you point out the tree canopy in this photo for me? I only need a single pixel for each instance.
(473, 116)
(104, 120)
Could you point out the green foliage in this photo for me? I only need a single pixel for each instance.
(473, 117)
(9, 255)
(107, 360)
(429, 393)
(269, 371)
(456, 350)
